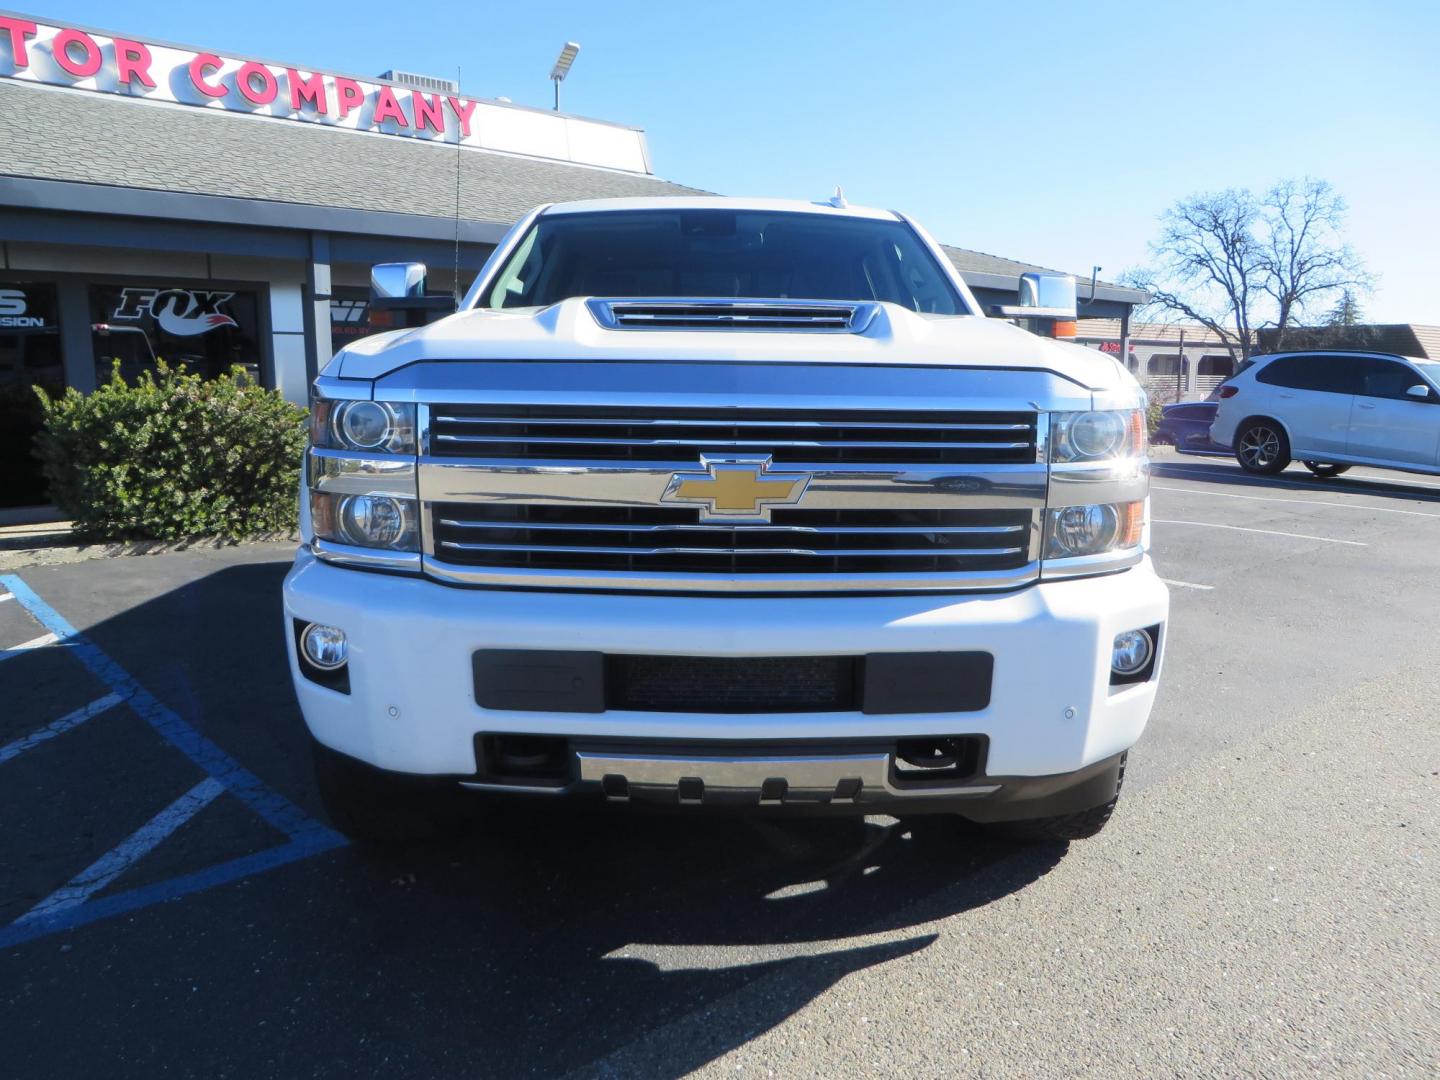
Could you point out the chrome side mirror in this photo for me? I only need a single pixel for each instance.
(1042, 296)
(1419, 390)
(400, 288)
(397, 281)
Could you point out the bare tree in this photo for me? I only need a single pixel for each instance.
(1237, 263)
(1304, 260)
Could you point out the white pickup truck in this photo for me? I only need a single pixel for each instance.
(723, 503)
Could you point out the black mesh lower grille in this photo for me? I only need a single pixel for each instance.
(732, 684)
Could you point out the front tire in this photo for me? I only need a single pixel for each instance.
(1262, 448)
(378, 808)
(1325, 471)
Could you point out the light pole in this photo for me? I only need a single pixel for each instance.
(562, 67)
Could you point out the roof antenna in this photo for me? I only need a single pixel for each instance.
(838, 199)
(459, 135)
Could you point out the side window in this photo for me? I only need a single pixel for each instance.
(1385, 378)
(1331, 374)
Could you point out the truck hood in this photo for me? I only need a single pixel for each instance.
(568, 331)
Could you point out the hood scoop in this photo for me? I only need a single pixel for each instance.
(823, 316)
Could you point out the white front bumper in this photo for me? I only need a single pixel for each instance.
(411, 706)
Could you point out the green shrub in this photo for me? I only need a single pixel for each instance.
(173, 456)
(1153, 415)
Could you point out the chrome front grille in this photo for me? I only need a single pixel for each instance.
(640, 476)
(673, 540)
(791, 438)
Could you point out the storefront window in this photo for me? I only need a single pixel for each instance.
(207, 330)
(352, 319)
(29, 357)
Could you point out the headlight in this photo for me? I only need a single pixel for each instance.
(372, 521)
(377, 426)
(1093, 529)
(1091, 436)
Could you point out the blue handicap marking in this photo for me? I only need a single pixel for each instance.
(71, 907)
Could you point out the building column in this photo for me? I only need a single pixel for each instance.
(77, 344)
(318, 345)
(1125, 339)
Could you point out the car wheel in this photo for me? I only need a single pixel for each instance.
(1323, 470)
(1262, 448)
(1067, 827)
(378, 808)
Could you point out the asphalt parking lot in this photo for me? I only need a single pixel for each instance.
(1266, 901)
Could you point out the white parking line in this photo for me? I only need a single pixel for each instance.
(139, 843)
(6, 596)
(1267, 532)
(58, 727)
(1188, 469)
(1307, 502)
(26, 646)
(1186, 584)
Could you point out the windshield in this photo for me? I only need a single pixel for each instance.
(723, 253)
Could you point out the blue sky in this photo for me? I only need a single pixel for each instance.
(1055, 136)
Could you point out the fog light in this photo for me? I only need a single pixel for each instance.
(1132, 651)
(325, 646)
(375, 520)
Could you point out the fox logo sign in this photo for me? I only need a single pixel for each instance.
(182, 312)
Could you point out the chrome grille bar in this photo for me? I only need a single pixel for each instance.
(845, 553)
(919, 530)
(777, 444)
(721, 420)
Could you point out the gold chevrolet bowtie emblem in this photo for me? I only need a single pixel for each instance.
(736, 487)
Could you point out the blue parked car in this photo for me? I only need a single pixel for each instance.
(1186, 427)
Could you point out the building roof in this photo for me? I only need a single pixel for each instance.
(1405, 339)
(1141, 332)
(982, 270)
(101, 139)
(179, 162)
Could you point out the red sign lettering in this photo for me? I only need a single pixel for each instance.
(82, 69)
(132, 62)
(246, 80)
(428, 110)
(20, 31)
(387, 108)
(302, 90)
(203, 64)
(350, 95)
(463, 111)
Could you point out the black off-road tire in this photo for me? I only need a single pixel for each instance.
(1078, 826)
(1262, 447)
(376, 808)
(1325, 470)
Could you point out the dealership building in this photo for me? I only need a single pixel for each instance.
(164, 201)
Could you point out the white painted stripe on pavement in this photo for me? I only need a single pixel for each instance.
(139, 843)
(26, 646)
(6, 596)
(1266, 532)
(58, 727)
(1186, 584)
(1307, 502)
(1185, 469)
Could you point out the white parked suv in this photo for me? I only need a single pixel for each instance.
(1332, 410)
(719, 503)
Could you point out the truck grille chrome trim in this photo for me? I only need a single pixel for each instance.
(805, 541)
(640, 433)
(710, 314)
(886, 499)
